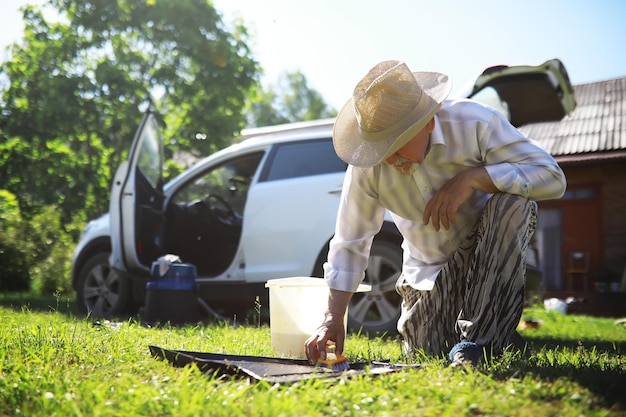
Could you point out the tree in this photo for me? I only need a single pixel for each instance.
(14, 271)
(292, 101)
(76, 89)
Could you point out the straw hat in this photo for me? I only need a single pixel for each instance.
(389, 106)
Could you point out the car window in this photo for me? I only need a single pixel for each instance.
(490, 97)
(230, 180)
(300, 159)
(149, 162)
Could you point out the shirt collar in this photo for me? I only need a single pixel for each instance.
(436, 137)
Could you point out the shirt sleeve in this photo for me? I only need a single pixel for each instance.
(518, 165)
(360, 216)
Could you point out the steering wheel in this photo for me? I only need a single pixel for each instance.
(237, 183)
(221, 210)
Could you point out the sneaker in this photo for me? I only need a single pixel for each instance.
(465, 354)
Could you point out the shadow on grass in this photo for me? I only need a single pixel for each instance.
(606, 380)
(611, 347)
(19, 302)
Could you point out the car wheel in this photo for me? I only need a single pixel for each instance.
(378, 310)
(102, 292)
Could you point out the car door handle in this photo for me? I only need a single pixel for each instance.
(337, 191)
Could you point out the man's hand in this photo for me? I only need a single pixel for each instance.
(332, 328)
(442, 208)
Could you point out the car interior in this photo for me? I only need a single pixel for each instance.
(203, 220)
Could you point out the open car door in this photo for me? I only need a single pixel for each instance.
(527, 94)
(137, 201)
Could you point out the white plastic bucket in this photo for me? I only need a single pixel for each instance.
(297, 307)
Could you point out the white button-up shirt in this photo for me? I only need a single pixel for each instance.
(467, 134)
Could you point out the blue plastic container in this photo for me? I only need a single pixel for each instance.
(170, 285)
(172, 297)
(177, 272)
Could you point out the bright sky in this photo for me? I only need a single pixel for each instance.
(335, 42)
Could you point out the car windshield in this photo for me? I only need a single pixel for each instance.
(490, 97)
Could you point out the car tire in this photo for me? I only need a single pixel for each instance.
(101, 291)
(377, 311)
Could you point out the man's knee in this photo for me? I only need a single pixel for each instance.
(508, 217)
(505, 201)
(510, 209)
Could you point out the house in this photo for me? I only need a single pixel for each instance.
(590, 220)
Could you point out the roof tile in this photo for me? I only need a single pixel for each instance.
(597, 125)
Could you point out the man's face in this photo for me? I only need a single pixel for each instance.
(407, 157)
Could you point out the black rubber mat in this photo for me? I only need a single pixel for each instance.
(269, 369)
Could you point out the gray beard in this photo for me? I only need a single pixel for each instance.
(401, 165)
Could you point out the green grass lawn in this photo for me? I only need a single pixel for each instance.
(57, 363)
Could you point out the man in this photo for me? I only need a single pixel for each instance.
(459, 181)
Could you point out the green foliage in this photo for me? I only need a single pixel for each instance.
(51, 245)
(76, 89)
(35, 254)
(54, 363)
(72, 95)
(292, 100)
(9, 212)
(14, 272)
(302, 102)
(262, 110)
(14, 275)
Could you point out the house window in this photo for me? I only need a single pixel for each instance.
(579, 194)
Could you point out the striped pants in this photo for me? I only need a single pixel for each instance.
(479, 295)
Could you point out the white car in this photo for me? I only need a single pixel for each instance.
(261, 209)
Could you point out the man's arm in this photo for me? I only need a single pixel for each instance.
(509, 163)
(442, 208)
(518, 165)
(359, 218)
(331, 329)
